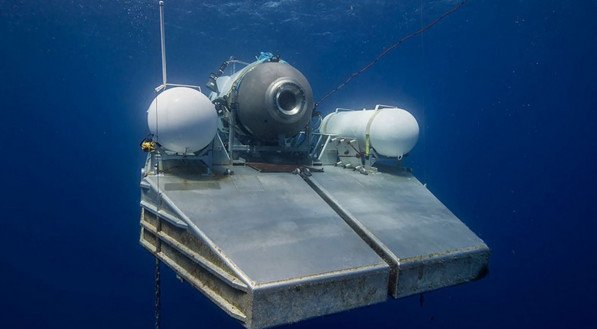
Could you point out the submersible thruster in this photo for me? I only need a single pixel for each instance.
(276, 221)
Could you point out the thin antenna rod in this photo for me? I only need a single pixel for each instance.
(163, 37)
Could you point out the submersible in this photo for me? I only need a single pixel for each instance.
(276, 221)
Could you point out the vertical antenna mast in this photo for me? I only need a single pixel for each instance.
(163, 39)
(163, 43)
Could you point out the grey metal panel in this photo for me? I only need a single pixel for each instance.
(277, 304)
(272, 227)
(405, 223)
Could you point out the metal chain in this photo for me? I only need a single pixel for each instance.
(157, 293)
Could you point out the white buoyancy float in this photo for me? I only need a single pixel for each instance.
(182, 119)
(392, 132)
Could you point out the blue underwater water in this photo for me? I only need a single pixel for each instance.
(504, 91)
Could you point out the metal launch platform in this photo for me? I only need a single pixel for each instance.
(277, 216)
(272, 248)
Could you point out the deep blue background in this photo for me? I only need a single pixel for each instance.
(504, 91)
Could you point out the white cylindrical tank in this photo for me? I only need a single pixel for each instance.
(392, 132)
(182, 119)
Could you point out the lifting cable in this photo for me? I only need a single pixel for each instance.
(392, 47)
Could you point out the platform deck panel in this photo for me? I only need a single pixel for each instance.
(272, 226)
